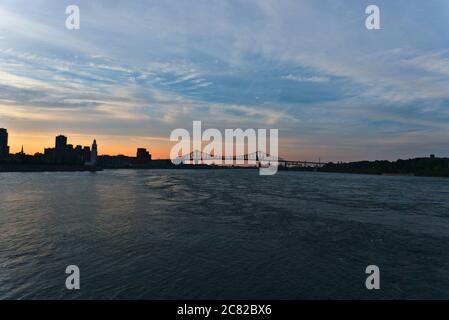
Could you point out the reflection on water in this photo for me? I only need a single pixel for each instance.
(162, 234)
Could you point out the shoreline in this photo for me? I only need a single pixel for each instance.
(6, 168)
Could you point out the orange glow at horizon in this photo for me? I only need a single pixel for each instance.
(107, 145)
(158, 147)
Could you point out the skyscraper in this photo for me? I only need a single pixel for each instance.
(86, 154)
(61, 142)
(60, 149)
(93, 155)
(4, 149)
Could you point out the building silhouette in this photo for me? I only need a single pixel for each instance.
(93, 155)
(65, 153)
(86, 154)
(66, 156)
(142, 159)
(60, 142)
(60, 151)
(142, 155)
(4, 148)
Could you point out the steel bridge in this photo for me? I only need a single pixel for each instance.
(257, 158)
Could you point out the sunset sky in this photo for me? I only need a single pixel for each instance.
(136, 70)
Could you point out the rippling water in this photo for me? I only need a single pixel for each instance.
(163, 234)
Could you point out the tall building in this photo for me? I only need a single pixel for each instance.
(86, 154)
(93, 155)
(4, 148)
(60, 142)
(78, 154)
(60, 149)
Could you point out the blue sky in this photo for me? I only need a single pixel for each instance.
(138, 69)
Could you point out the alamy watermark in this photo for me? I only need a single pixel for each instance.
(72, 22)
(372, 282)
(372, 22)
(72, 282)
(241, 147)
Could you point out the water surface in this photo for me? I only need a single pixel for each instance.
(216, 234)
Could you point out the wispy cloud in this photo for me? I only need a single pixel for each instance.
(300, 78)
(309, 68)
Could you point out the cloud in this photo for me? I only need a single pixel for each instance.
(15, 25)
(300, 78)
(309, 68)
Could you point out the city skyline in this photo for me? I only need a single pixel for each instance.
(40, 142)
(134, 72)
(61, 143)
(139, 152)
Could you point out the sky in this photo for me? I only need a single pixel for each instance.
(136, 70)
